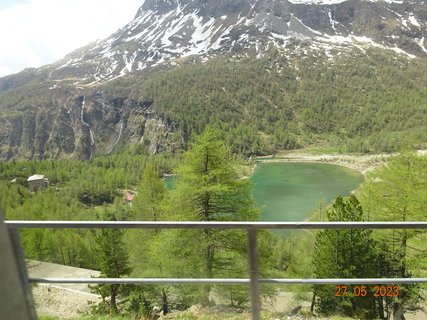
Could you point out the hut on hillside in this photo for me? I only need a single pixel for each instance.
(37, 182)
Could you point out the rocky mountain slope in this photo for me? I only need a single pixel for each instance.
(62, 110)
(166, 29)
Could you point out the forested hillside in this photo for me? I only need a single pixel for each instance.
(208, 188)
(355, 101)
(359, 102)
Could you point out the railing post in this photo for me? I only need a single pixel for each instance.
(253, 272)
(16, 300)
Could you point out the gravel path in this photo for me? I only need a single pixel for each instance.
(61, 300)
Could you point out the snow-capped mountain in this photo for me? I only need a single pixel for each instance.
(167, 29)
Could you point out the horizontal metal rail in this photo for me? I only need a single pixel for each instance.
(251, 228)
(227, 281)
(214, 225)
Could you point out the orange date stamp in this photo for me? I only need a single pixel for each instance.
(362, 291)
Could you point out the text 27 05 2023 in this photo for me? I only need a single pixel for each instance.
(376, 291)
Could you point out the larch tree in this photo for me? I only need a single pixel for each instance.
(147, 204)
(208, 188)
(398, 192)
(345, 254)
(148, 207)
(113, 260)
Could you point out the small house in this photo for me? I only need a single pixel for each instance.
(37, 182)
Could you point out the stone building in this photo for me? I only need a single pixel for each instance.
(37, 182)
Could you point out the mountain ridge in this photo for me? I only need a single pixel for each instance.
(163, 30)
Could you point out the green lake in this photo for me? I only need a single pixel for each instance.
(290, 191)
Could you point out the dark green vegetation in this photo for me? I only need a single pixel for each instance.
(113, 262)
(80, 190)
(358, 102)
(371, 101)
(396, 192)
(208, 189)
(345, 254)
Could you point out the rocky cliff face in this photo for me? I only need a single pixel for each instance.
(61, 111)
(77, 126)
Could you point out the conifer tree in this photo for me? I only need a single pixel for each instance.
(147, 204)
(398, 192)
(148, 207)
(207, 189)
(113, 262)
(345, 254)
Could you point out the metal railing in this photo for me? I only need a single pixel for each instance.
(251, 228)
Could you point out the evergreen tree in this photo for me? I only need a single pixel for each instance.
(113, 263)
(345, 254)
(147, 204)
(207, 189)
(398, 192)
(148, 207)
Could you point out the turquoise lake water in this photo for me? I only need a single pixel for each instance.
(289, 191)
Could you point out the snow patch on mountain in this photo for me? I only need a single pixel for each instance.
(332, 21)
(413, 21)
(421, 44)
(389, 1)
(129, 61)
(328, 2)
(362, 42)
(200, 39)
(321, 2)
(167, 30)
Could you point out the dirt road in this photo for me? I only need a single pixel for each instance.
(61, 300)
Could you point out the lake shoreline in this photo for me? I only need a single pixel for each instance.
(362, 164)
